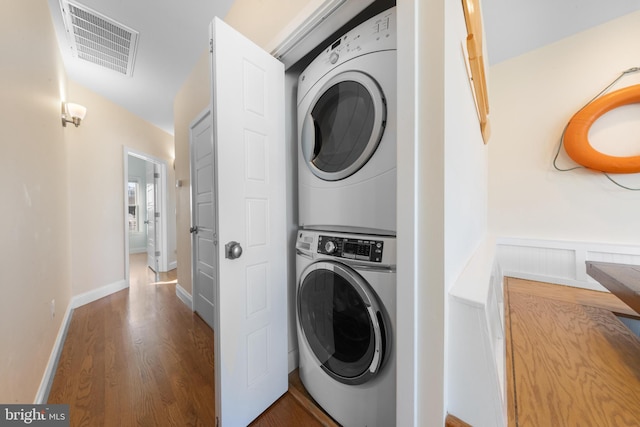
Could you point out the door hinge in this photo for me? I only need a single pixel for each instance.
(211, 51)
(217, 422)
(157, 253)
(156, 175)
(157, 214)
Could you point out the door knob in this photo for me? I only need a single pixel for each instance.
(232, 250)
(193, 229)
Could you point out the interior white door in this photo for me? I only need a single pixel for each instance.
(152, 218)
(203, 230)
(251, 319)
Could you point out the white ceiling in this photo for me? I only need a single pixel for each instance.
(513, 27)
(173, 34)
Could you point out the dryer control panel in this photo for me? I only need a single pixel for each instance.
(358, 249)
(377, 34)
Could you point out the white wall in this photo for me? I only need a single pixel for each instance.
(466, 155)
(532, 98)
(420, 279)
(465, 226)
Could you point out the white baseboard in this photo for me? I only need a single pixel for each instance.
(184, 296)
(50, 371)
(137, 250)
(77, 301)
(172, 265)
(560, 262)
(96, 294)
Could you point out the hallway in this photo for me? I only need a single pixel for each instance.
(142, 357)
(137, 357)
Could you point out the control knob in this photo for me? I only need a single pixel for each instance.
(333, 58)
(330, 247)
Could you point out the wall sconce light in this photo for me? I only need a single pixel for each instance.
(72, 113)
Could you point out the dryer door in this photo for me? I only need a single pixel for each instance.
(342, 321)
(343, 125)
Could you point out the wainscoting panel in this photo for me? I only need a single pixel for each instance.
(560, 262)
(476, 347)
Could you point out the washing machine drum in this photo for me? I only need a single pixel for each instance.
(343, 322)
(343, 125)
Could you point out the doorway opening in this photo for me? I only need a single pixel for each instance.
(145, 210)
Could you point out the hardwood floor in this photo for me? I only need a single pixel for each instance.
(570, 361)
(140, 357)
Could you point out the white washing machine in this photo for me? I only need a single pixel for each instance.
(347, 132)
(346, 311)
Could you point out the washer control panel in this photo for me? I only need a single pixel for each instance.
(358, 249)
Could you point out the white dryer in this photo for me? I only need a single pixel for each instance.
(347, 132)
(346, 311)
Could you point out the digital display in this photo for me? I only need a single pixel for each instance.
(363, 250)
(336, 44)
(357, 249)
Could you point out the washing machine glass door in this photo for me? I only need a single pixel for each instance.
(342, 322)
(343, 126)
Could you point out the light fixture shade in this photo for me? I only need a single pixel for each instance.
(76, 111)
(72, 113)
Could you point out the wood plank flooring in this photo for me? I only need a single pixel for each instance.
(140, 357)
(572, 363)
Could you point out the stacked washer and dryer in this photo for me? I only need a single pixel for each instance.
(346, 246)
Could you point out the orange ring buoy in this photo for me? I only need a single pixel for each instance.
(576, 135)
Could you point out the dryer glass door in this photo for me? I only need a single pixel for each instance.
(342, 322)
(343, 126)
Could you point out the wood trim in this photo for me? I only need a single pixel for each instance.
(297, 390)
(453, 421)
(475, 49)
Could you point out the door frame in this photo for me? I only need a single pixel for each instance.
(161, 207)
(199, 117)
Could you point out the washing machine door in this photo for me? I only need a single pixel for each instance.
(342, 321)
(343, 125)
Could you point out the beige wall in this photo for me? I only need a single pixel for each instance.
(191, 100)
(63, 214)
(258, 22)
(96, 185)
(532, 98)
(246, 16)
(34, 248)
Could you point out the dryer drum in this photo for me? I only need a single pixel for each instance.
(343, 126)
(342, 321)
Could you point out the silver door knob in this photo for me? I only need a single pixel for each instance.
(232, 250)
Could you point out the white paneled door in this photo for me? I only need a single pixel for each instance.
(203, 229)
(152, 216)
(251, 320)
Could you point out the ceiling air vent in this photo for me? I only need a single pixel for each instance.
(98, 39)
